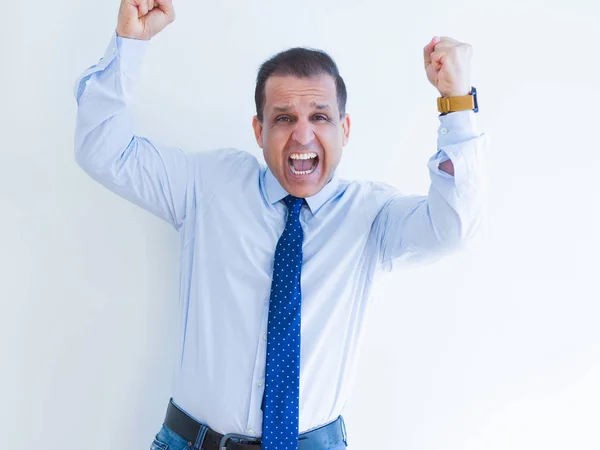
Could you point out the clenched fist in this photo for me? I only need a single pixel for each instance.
(448, 66)
(142, 19)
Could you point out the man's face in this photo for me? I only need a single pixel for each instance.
(301, 117)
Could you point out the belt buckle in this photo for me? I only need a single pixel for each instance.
(226, 437)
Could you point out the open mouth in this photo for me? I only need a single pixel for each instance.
(303, 165)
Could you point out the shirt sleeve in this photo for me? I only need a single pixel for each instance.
(418, 229)
(151, 175)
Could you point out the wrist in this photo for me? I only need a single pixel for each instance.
(122, 34)
(449, 102)
(456, 93)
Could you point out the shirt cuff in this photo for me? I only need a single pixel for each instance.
(455, 127)
(131, 53)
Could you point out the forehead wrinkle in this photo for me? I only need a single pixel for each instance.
(313, 104)
(283, 95)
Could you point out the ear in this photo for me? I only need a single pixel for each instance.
(257, 131)
(346, 122)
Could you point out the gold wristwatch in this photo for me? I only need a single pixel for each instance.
(459, 103)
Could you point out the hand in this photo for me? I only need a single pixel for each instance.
(448, 66)
(142, 19)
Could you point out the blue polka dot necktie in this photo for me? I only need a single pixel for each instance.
(282, 387)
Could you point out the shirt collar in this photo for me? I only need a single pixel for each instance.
(275, 192)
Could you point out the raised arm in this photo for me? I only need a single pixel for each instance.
(151, 175)
(421, 229)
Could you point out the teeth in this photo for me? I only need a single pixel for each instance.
(303, 155)
(303, 172)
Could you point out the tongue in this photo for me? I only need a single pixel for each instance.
(302, 164)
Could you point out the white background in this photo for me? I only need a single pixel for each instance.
(497, 347)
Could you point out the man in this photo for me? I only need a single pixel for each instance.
(278, 260)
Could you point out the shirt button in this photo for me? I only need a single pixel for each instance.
(259, 383)
(251, 431)
(113, 50)
(87, 82)
(265, 337)
(444, 130)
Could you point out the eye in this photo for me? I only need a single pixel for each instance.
(282, 119)
(321, 116)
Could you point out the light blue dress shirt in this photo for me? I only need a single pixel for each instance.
(228, 209)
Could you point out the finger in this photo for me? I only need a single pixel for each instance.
(143, 8)
(446, 40)
(165, 5)
(428, 49)
(130, 9)
(443, 46)
(436, 58)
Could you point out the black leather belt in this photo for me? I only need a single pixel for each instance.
(187, 427)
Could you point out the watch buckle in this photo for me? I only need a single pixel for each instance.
(443, 104)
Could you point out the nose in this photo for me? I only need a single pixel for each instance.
(303, 132)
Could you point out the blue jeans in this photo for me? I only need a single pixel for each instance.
(167, 439)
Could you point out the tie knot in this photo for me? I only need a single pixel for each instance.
(294, 204)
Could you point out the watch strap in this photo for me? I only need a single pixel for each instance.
(459, 103)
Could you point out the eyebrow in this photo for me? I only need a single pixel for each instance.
(320, 106)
